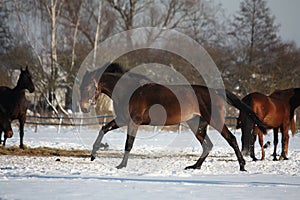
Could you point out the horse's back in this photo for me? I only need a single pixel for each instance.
(4, 89)
(168, 104)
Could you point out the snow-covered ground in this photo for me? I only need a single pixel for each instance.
(155, 170)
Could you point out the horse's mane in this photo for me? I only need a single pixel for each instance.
(114, 68)
(295, 100)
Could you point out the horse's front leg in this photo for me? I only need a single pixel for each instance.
(275, 132)
(97, 144)
(131, 133)
(1, 136)
(22, 123)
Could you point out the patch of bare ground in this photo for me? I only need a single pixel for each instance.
(43, 152)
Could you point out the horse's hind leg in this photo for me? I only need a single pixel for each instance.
(199, 127)
(261, 142)
(230, 138)
(252, 145)
(284, 143)
(131, 133)
(97, 144)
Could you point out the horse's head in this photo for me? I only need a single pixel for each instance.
(88, 91)
(25, 80)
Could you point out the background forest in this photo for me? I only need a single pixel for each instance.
(53, 37)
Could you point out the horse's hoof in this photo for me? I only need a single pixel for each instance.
(192, 167)
(283, 158)
(92, 157)
(22, 147)
(120, 166)
(242, 169)
(254, 159)
(275, 159)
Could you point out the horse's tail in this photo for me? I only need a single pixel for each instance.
(293, 126)
(243, 106)
(247, 137)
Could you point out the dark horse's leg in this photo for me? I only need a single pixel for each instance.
(1, 136)
(22, 122)
(275, 132)
(199, 127)
(97, 144)
(230, 138)
(131, 133)
(252, 144)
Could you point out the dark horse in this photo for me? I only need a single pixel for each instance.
(276, 111)
(13, 103)
(155, 104)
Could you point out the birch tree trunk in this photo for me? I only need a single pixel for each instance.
(97, 34)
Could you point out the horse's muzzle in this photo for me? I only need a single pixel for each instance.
(85, 107)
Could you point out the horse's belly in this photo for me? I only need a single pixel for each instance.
(160, 115)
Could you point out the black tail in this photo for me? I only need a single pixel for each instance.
(243, 107)
(247, 137)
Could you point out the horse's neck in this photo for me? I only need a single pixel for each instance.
(110, 85)
(295, 100)
(18, 90)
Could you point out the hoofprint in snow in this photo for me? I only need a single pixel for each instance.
(155, 169)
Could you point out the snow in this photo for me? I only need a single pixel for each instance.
(155, 169)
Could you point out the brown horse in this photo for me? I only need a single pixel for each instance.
(276, 111)
(155, 104)
(13, 103)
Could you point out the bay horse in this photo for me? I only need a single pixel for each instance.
(276, 111)
(155, 104)
(13, 103)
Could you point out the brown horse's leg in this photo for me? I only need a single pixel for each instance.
(284, 143)
(199, 127)
(131, 133)
(261, 143)
(230, 138)
(275, 132)
(97, 144)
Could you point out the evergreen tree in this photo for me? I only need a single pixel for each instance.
(255, 32)
(256, 40)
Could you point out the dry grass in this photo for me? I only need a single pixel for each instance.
(43, 151)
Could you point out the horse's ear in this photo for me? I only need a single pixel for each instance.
(26, 68)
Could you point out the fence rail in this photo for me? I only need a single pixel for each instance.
(67, 121)
(91, 121)
(85, 121)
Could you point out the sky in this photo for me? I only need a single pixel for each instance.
(286, 13)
